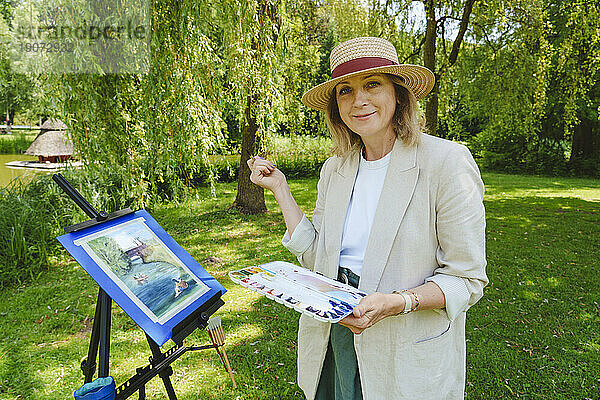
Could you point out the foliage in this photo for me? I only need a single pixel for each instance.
(20, 93)
(108, 249)
(299, 156)
(153, 131)
(512, 82)
(534, 334)
(32, 215)
(15, 143)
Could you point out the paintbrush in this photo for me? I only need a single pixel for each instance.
(217, 337)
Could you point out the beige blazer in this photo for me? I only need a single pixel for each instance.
(429, 225)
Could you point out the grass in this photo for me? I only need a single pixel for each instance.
(534, 335)
(16, 143)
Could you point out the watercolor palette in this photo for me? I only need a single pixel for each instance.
(305, 291)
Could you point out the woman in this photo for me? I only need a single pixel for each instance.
(398, 214)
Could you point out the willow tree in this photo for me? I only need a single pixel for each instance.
(575, 80)
(182, 97)
(249, 34)
(528, 83)
(147, 135)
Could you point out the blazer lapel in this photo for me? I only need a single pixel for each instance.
(398, 188)
(338, 198)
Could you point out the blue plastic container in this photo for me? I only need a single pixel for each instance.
(98, 389)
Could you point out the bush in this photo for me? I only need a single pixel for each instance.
(34, 213)
(296, 157)
(299, 156)
(31, 215)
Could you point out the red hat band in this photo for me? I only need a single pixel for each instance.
(360, 64)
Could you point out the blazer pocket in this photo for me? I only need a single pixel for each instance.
(434, 338)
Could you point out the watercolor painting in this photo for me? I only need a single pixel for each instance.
(144, 268)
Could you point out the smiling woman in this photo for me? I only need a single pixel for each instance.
(366, 105)
(385, 89)
(399, 214)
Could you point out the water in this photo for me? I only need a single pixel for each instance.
(158, 291)
(8, 174)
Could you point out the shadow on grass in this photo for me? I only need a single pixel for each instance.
(497, 182)
(535, 333)
(532, 335)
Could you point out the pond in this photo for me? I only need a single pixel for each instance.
(8, 174)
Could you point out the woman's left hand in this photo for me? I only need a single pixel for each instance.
(372, 309)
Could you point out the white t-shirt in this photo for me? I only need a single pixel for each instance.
(361, 211)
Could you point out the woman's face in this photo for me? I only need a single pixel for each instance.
(367, 104)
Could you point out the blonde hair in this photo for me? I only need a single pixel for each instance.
(407, 120)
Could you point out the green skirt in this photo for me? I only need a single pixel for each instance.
(340, 379)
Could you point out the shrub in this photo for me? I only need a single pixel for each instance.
(32, 215)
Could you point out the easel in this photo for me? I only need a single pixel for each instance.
(160, 363)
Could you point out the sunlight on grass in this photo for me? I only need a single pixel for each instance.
(246, 333)
(240, 299)
(536, 326)
(552, 281)
(586, 316)
(584, 194)
(592, 346)
(529, 295)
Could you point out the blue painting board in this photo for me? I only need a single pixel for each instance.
(143, 269)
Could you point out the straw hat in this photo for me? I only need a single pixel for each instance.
(368, 54)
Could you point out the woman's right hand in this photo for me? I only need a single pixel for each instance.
(265, 174)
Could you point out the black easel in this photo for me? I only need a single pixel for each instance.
(160, 363)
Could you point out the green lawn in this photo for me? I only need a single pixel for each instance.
(534, 335)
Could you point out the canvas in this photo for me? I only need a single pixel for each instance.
(153, 279)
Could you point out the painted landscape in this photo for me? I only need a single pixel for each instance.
(146, 268)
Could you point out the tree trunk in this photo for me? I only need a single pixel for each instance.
(250, 198)
(431, 109)
(585, 147)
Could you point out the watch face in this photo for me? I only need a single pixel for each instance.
(343, 278)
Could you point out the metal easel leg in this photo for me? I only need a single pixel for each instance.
(158, 356)
(105, 308)
(100, 339)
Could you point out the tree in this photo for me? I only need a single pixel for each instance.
(148, 137)
(429, 49)
(250, 32)
(529, 77)
(576, 77)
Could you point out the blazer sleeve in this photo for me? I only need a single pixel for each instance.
(303, 241)
(460, 225)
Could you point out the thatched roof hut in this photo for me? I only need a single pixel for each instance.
(52, 143)
(53, 124)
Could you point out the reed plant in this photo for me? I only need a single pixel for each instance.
(15, 143)
(31, 215)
